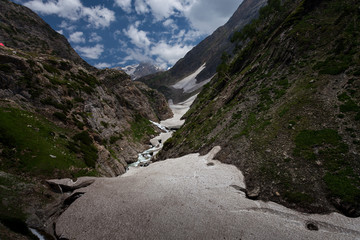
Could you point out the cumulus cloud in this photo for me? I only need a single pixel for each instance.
(170, 53)
(207, 15)
(77, 37)
(141, 7)
(91, 52)
(124, 4)
(138, 37)
(204, 15)
(74, 10)
(103, 65)
(94, 37)
(65, 25)
(99, 16)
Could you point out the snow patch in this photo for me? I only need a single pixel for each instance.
(189, 84)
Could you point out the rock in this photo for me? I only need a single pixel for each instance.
(253, 193)
(68, 185)
(312, 226)
(144, 164)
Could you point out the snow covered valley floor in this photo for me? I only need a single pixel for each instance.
(192, 197)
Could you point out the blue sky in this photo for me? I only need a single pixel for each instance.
(113, 33)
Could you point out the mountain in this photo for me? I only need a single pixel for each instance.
(207, 53)
(60, 117)
(139, 70)
(285, 108)
(21, 28)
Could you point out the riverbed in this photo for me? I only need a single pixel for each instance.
(191, 197)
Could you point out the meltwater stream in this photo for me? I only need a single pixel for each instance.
(167, 127)
(145, 157)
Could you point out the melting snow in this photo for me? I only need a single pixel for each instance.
(189, 83)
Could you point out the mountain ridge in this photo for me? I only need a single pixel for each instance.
(208, 51)
(285, 108)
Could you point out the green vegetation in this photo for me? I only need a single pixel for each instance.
(298, 197)
(104, 124)
(6, 68)
(61, 116)
(349, 106)
(31, 144)
(50, 101)
(51, 69)
(115, 138)
(141, 127)
(342, 186)
(83, 144)
(340, 178)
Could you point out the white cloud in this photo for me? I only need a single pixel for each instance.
(124, 4)
(136, 54)
(137, 37)
(103, 65)
(77, 37)
(68, 9)
(73, 10)
(65, 25)
(170, 53)
(99, 16)
(91, 52)
(207, 15)
(60, 31)
(94, 37)
(141, 7)
(204, 15)
(170, 23)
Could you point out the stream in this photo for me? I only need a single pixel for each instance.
(144, 158)
(168, 127)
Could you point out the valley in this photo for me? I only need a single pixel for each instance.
(253, 134)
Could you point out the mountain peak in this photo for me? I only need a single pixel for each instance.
(137, 71)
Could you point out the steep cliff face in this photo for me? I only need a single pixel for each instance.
(59, 117)
(286, 108)
(105, 104)
(208, 51)
(21, 28)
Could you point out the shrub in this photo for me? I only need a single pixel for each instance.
(61, 116)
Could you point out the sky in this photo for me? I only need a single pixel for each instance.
(113, 33)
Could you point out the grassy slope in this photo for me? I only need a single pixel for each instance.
(285, 109)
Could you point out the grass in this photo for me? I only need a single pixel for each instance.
(83, 144)
(140, 128)
(349, 106)
(342, 187)
(29, 141)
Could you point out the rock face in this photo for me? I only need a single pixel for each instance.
(21, 28)
(286, 108)
(208, 51)
(106, 104)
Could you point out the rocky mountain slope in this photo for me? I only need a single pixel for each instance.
(286, 108)
(21, 28)
(60, 117)
(139, 70)
(208, 51)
